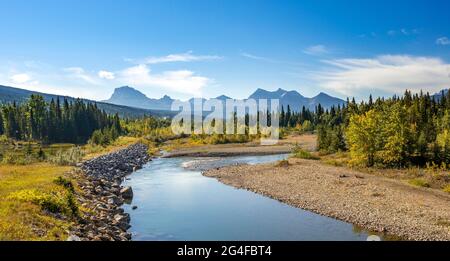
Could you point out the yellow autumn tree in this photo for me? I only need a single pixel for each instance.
(443, 141)
(364, 137)
(397, 134)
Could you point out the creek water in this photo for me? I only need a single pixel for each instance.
(175, 202)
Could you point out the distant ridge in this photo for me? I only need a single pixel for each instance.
(438, 95)
(9, 94)
(296, 101)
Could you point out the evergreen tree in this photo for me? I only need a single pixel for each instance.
(1, 122)
(51, 122)
(287, 120)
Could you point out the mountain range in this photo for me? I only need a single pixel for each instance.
(437, 96)
(131, 97)
(295, 100)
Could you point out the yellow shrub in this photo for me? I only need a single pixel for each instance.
(446, 188)
(418, 182)
(53, 202)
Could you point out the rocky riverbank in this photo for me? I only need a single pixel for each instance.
(102, 195)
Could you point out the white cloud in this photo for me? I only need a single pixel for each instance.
(182, 57)
(106, 75)
(74, 70)
(403, 31)
(182, 81)
(443, 41)
(255, 57)
(20, 78)
(391, 74)
(316, 50)
(80, 73)
(269, 60)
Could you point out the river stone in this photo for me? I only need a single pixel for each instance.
(103, 194)
(127, 192)
(73, 238)
(122, 217)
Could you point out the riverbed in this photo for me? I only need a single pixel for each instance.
(176, 202)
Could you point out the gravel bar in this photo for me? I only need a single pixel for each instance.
(372, 202)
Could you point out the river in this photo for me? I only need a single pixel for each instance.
(178, 203)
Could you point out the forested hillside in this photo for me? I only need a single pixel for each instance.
(413, 129)
(56, 121)
(11, 94)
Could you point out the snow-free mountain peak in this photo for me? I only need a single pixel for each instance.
(129, 96)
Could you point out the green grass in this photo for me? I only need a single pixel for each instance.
(298, 152)
(24, 153)
(334, 162)
(37, 200)
(69, 157)
(29, 195)
(91, 151)
(221, 138)
(419, 182)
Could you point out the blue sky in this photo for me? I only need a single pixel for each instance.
(207, 48)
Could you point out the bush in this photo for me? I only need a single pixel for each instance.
(41, 154)
(298, 152)
(8, 159)
(99, 138)
(15, 159)
(221, 138)
(72, 205)
(306, 126)
(419, 182)
(3, 139)
(69, 157)
(446, 188)
(105, 136)
(56, 201)
(283, 163)
(334, 162)
(65, 183)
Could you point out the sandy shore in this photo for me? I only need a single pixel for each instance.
(229, 150)
(372, 202)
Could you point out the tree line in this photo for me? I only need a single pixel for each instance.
(304, 119)
(51, 122)
(400, 131)
(413, 129)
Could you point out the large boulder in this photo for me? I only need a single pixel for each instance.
(127, 193)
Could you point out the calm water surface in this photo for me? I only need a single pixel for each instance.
(175, 203)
